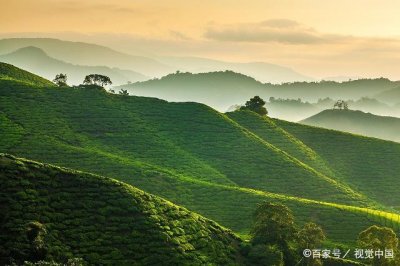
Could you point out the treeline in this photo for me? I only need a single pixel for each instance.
(276, 240)
(91, 81)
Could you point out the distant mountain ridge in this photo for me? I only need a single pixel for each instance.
(222, 89)
(88, 54)
(96, 55)
(36, 60)
(264, 72)
(357, 122)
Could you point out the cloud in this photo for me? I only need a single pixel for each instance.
(179, 35)
(280, 23)
(276, 30)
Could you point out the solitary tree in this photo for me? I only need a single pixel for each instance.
(124, 92)
(341, 105)
(96, 79)
(255, 104)
(60, 80)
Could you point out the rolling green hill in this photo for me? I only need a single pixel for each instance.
(383, 127)
(219, 165)
(369, 165)
(102, 221)
(37, 61)
(10, 72)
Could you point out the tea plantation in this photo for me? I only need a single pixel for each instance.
(102, 221)
(218, 165)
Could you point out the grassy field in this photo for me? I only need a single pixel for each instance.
(218, 165)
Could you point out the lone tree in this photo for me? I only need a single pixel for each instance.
(124, 92)
(96, 79)
(255, 104)
(341, 105)
(60, 80)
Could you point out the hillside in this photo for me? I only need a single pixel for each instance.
(366, 164)
(10, 72)
(357, 122)
(223, 89)
(87, 54)
(219, 165)
(37, 61)
(102, 221)
(391, 96)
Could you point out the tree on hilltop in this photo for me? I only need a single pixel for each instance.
(255, 104)
(124, 92)
(341, 105)
(96, 79)
(60, 80)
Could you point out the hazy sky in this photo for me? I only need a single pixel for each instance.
(315, 37)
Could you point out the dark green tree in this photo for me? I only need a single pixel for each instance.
(60, 80)
(274, 225)
(311, 236)
(380, 238)
(262, 254)
(255, 104)
(123, 92)
(96, 79)
(36, 233)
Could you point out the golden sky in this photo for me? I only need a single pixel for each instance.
(316, 37)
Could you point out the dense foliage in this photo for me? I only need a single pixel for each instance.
(56, 214)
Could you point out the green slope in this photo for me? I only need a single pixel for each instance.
(383, 127)
(369, 165)
(215, 164)
(102, 221)
(10, 72)
(267, 129)
(188, 139)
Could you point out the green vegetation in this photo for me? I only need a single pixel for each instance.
(10, 72)
(382, 239)
(60, 80)
(219, 165)
(357, 122)
(57, 214)
(96, 79)
(370, 166)
(255, 104)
